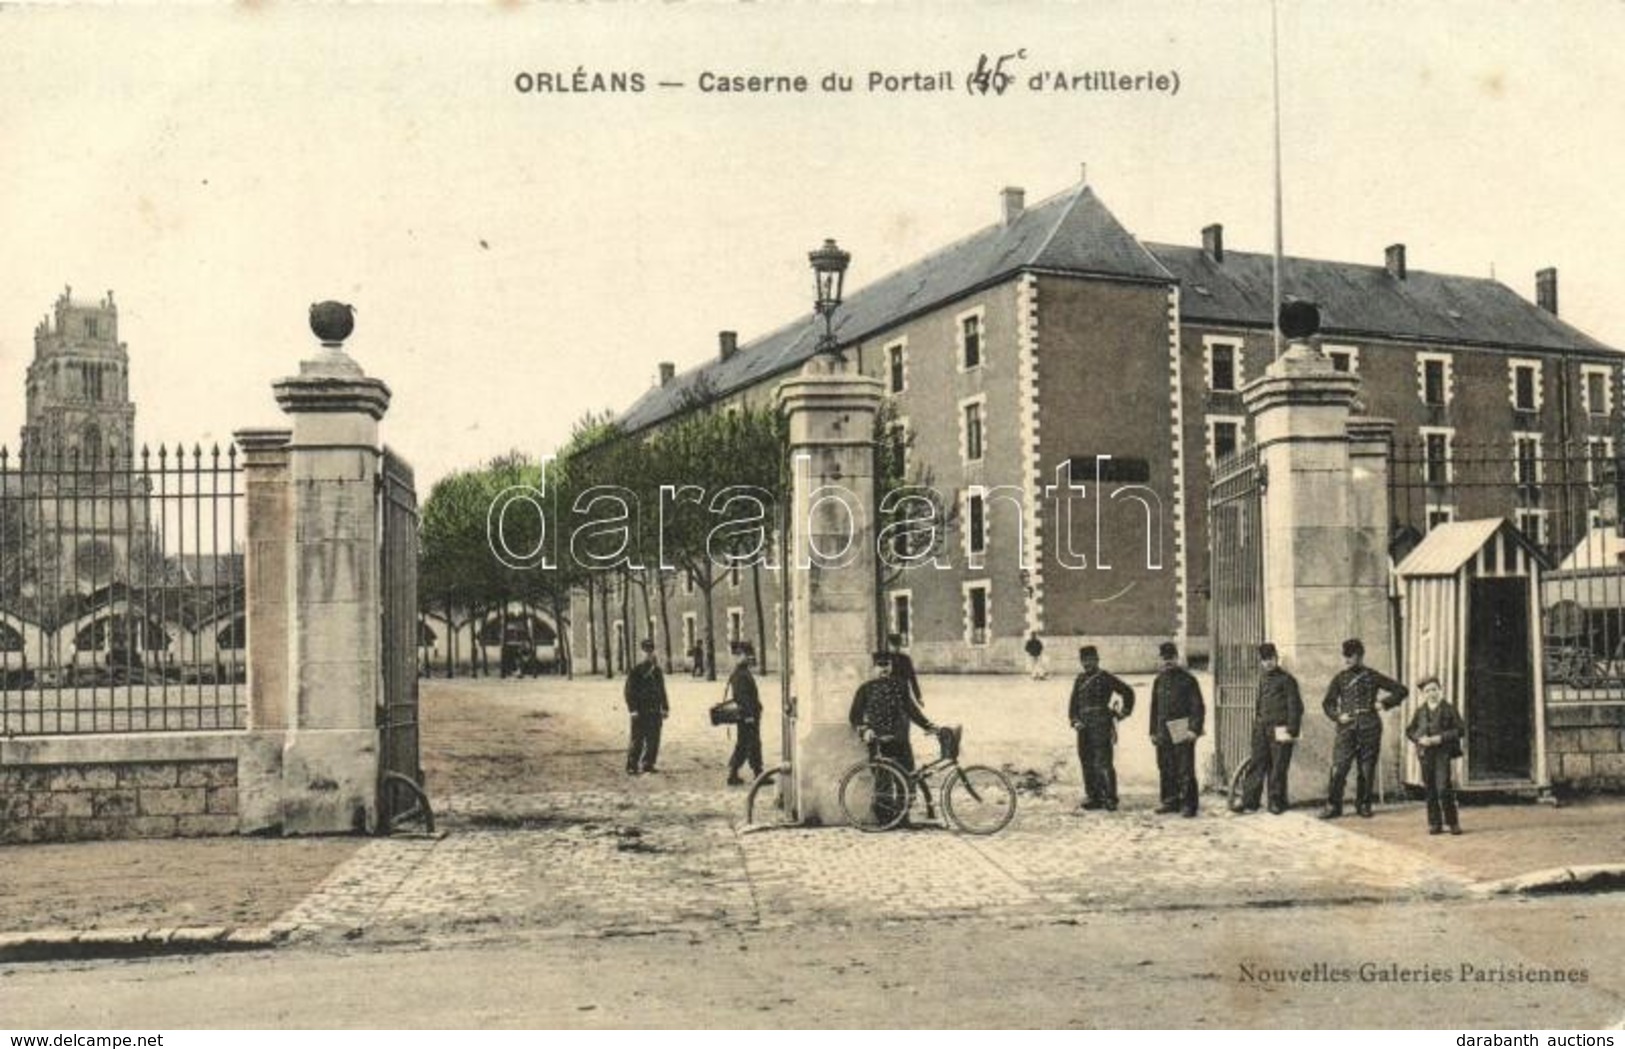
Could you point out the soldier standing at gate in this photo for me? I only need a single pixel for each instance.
(1352, 702)
(1099, 701)
(1277, 719)
(646, 702)
(1177, 714)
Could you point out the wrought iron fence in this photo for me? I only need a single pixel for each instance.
(1236, 588)
(1564, 498)
(121, 592)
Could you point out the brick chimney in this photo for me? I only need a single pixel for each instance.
(1546, 289)
(668, 372)
(728, 343)
(1395, 261)
(1015, 201)
(1213, 242)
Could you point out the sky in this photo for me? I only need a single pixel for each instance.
(519, 258)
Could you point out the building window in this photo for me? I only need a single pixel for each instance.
(978, 615)
(899, 445)
(1223, 365)
(736, 625)
(975, 523)
(91, 327)
(1440, 513)
(688, 633)
(1597, 387)
(1524, 379)
(1599, 459)
(1224, 435)
(1530, 523)
(733, 576)
(688, 582)
(970, 338)
(1436, 455)
(897, 364)
(1526, 458)
(971, 428)
(1344, 359)
(1433, 378)
(902, 616)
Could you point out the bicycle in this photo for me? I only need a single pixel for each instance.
(878, 793)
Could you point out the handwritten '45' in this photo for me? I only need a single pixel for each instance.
(993, 78)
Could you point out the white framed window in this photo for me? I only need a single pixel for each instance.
(1526, 458)
(1221, 360)
(688, 633)
(1438, 453)
(897, 366)
(688, 582)
(1524, 379)
(1597, 388)
(1225, 436)
(899, 443)
(978, 612)
(1599, 459)
(973, 428)
(1435, 379)
(970, 331)
(1440, 513)
(736, 624)
(975, 524)
(901, 619)
(1344, 358)
(1532, 523)
(733, 576)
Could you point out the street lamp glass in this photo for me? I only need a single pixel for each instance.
(829, 272)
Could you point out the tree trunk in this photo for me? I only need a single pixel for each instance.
(563, 656)
(451, 640)
(627, 633)
(592, 625)
(761, 615)
(609, 642)
(665, 614)
(708, 584)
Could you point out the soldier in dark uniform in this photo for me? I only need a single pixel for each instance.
(1099, 701)
(1352, 702)
(882, 709)
(903, 667)
(645, 694)
(742, 689)
(1277, 720)
(1177, 714)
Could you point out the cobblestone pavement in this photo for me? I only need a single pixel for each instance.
(644, 860)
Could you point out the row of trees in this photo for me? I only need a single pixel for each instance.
(708, 450)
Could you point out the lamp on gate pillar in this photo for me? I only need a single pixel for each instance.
(829, 273)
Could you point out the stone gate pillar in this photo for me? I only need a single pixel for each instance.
(1325, 536)
(831, 414)
(267, 556)
(330, 754)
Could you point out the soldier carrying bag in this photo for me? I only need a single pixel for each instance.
(726, 712)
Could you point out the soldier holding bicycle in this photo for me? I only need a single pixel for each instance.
(881, 711)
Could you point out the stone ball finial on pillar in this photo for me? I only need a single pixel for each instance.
(332, 322)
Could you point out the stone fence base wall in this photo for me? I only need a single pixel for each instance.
(1586, 746)
(64, 788)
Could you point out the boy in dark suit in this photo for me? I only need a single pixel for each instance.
(1435, 728)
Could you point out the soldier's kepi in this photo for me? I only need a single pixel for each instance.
(1355, 700)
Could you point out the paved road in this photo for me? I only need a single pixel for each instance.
(1107, 969)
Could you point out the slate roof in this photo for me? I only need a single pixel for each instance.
(1357, 300)
(1075, 233)
(1072, 232)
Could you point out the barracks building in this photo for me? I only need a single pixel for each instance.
(1021, 355)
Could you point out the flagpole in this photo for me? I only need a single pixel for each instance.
(1275, 69)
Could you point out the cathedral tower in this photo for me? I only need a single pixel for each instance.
(79, 387)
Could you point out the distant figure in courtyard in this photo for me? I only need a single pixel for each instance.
(645, 693)
(1099, 701)
(903, 667)
(1277, 720)
(1435, 728)
(1352, 701)
(1035, 658)
(1177, 715)
(742, 690)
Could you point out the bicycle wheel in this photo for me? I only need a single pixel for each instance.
(875, 795)
(978, 799)
(765, 803)
(1238, 784)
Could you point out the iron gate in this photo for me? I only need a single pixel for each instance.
(1236, 585)
(400, 778)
